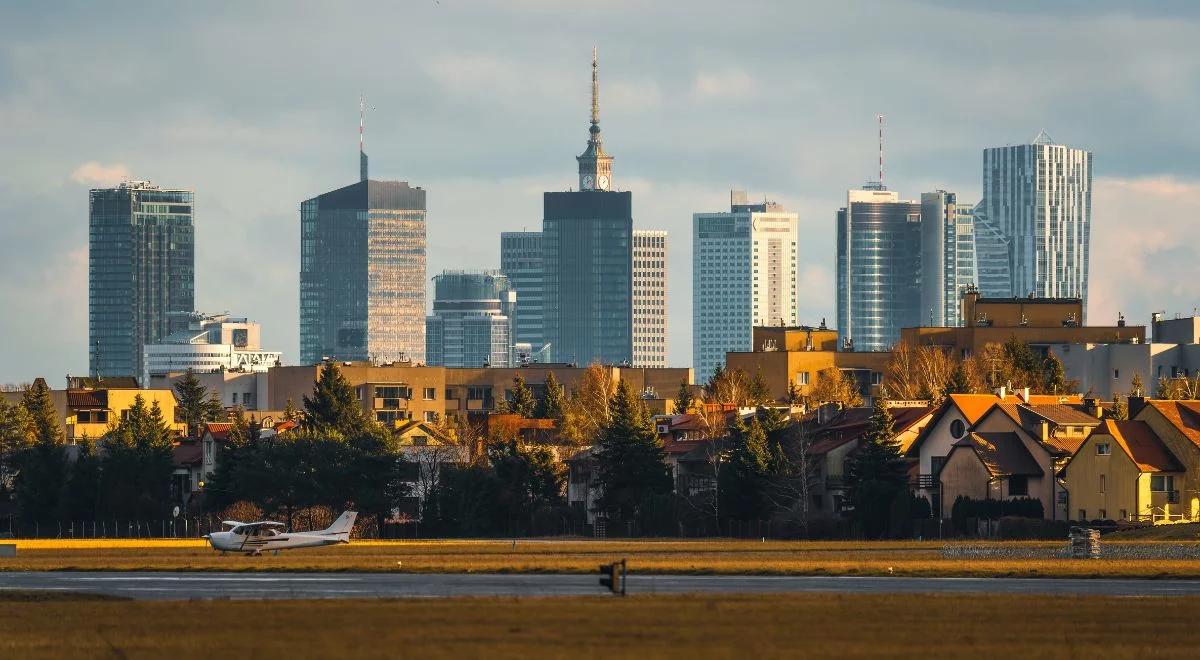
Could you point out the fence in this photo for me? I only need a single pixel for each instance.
(177, 528)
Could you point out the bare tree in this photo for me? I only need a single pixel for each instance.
(795, 477)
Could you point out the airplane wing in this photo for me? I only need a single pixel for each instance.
(267, 523)
(231, 523)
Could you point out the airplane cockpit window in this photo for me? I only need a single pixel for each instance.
(239, 531)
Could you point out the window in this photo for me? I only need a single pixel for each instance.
(1103, 514)
(935, 464)
(1018, 485)
(957, 429)
(450, 394)
(1123, 515)
(1083, 514)
(1103, 449)
(1102, 479)
(430, 416)
(1116, 373)
(802, 378)
(430, 394)
(1162, 483)
(420, 440)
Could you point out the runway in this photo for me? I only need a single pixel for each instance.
(187, 586)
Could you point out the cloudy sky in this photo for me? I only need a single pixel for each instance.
(485, 104)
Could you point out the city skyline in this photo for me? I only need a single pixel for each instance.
(249, 158)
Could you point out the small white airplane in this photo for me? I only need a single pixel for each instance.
(253, 538)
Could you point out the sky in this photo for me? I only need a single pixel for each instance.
(485, 104)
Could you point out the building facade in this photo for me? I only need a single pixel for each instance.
(992, 275)
(141, 272)
(649, 298)
(1039, 196)
(947, 257)
(209, 344)
(743, 275)
(472, 321)
(362, 273)
(521, 262)
(878, 268)
(587, 241)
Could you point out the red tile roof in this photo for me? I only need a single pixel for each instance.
(218, 430)
(187, 454)
(87, 398)
(1183, 415)
(1142, 445)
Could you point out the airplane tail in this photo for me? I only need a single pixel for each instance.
(342, 525)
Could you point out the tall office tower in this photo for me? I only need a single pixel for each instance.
(472, 321)
(649, 298)
(947, 257)
(587, 242)
(521, 262)
(743, 275)
(141, 269)
(1039, 196)
(992, 274)
(362, 272)
(878, 268)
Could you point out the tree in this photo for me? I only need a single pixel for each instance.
(195, 404)
(1119, 409)
(918, 372)
(758, 392)
(875, 474)
(290, 412)
(746, 474)
(43, 416)
(136, 466)
(793, 395)
(40, 477)
(960, 382)
(527, 479)
(333, 404)
(520, 400)
(16, 434)
(630, 461)
(553, 402)
(1137, 388)
(239, 428)
(588, 411)
(835, 386)
(684, 399)
(728, 386)
(1055, 376)
(83, 483)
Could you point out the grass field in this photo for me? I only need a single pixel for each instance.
(911, 558)
(815, 625)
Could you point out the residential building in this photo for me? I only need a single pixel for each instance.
(1041, 323)
(521, 261)
(878, 268)
(1108, 370)
(743, 275)
(141, 270)
(210, 343)
(790, 358)
(472, 321)
(587, 241)
(649, 298)
(1125, 471)
(247, 389)
(89, 407)
(362, 273)
(1039, 196)
(1177, 425)
(947, 257)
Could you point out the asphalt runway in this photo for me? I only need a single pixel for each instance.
(187, 586)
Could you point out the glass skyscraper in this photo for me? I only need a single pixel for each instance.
(947, 257)
(472, 320)
(1039, 196)
(362, 273)
(878, 268)
(521, 261)
(141, 272)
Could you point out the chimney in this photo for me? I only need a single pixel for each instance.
(1136, 403)
(1025, 394)
(1093, 407)
(1002, 392)
(1045, 430)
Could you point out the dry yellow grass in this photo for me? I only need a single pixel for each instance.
(796, 625)
(911, 558)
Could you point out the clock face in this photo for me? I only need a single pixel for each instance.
(587, 182)
(602, 182)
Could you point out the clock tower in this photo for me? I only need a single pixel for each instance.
(595, 166)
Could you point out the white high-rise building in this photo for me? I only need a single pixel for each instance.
(947, 257)
(1039, 196)
(649, 298)
(210, 344)
(744, 274)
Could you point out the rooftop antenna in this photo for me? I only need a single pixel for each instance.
(880, 150)
(362, 154)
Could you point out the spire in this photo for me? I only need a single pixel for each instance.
(595, 166)
(1043, 138)
(595, 90)
(362, 154)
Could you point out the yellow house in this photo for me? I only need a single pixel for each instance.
(1124, 471)
(92, 412)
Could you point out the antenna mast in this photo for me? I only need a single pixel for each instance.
(362, 154)
(880, 149)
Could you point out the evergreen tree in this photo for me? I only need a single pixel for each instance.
(15, 436)
(43, 416)
(745, 476)
(520, 400)
(960, 381)
(194, 406)
(1055, 375)
(684, 399)
(40, 477)
(553, 402)
(527, 479)
(875, 474)
(630, 461)
(290, 412)
(83, 483)
(1137, 388)
(136, 468)
(239, 429)
(334, 404)
(759, 392)
(1119, 409)
(793, 393)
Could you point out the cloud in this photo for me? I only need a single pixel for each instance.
(724, 83)
(92, 173)
(1144, 247)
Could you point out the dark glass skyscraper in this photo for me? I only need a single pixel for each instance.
(362, 273)
(878, 268)
(521, 261)
(471, 324)
(141, 272)
(587, 242)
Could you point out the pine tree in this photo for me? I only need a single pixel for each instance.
(630, 461)
(1055, 375)
(290, 412)
(239, 429)
(960, 381)
(1120, 409)
(875, 473)
(16, 434)
(745, 476)
(193, 407)
(793, 393)
(43, 416)
(83, 483)
(553, 402)
(684, 399)
(759, 392)
(39, 480)
(520, 400)
(1137, 388)
(333, 404)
